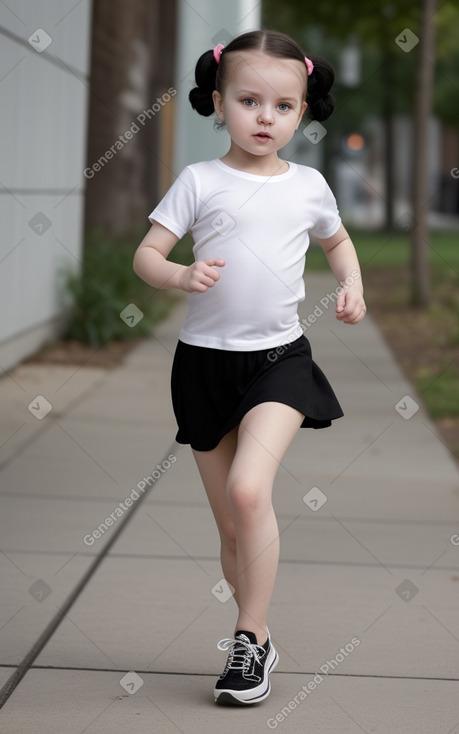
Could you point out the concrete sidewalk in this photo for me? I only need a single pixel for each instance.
(365, 609)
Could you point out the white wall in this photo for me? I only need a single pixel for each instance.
(201, 25)
(43, 113)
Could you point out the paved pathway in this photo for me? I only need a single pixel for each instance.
(365, 609)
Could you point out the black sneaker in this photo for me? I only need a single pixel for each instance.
(246, 675)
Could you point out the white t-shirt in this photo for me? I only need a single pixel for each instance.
(259, 225)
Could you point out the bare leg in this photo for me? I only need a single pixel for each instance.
(214, 467)
(265, 433)
(238, 477)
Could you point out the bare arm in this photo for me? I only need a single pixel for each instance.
(343, 261)
(151, 264)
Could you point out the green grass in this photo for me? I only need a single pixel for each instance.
(382, 250)
(440, 392)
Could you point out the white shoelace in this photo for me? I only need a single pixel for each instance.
(240, 659)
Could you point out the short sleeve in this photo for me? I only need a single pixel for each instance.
(328, 219)
(177, 210)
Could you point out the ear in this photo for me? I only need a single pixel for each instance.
(304, 106)
(218, 104)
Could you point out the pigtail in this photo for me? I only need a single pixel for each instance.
(205, 77)
(320, 102)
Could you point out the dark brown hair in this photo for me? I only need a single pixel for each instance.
(210, 75)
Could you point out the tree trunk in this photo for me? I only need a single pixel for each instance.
(389, 140)
(130, 109)
(420, 273)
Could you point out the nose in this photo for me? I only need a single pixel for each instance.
(265, 115)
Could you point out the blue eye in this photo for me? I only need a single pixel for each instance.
(247, 102)
(284, 106)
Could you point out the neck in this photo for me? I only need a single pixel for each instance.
(266, 165)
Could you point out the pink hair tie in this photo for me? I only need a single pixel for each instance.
(218, 52)
(309, 65)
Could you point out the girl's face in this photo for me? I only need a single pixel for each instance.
(263, 101)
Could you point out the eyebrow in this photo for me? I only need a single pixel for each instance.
(256, 94)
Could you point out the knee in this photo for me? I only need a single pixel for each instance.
(247, 498)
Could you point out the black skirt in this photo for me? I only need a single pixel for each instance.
(212, 389)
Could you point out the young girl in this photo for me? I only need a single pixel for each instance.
(243, 380)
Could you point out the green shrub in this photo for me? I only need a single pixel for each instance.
(105, 285)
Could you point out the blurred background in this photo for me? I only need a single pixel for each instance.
(96, 125)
